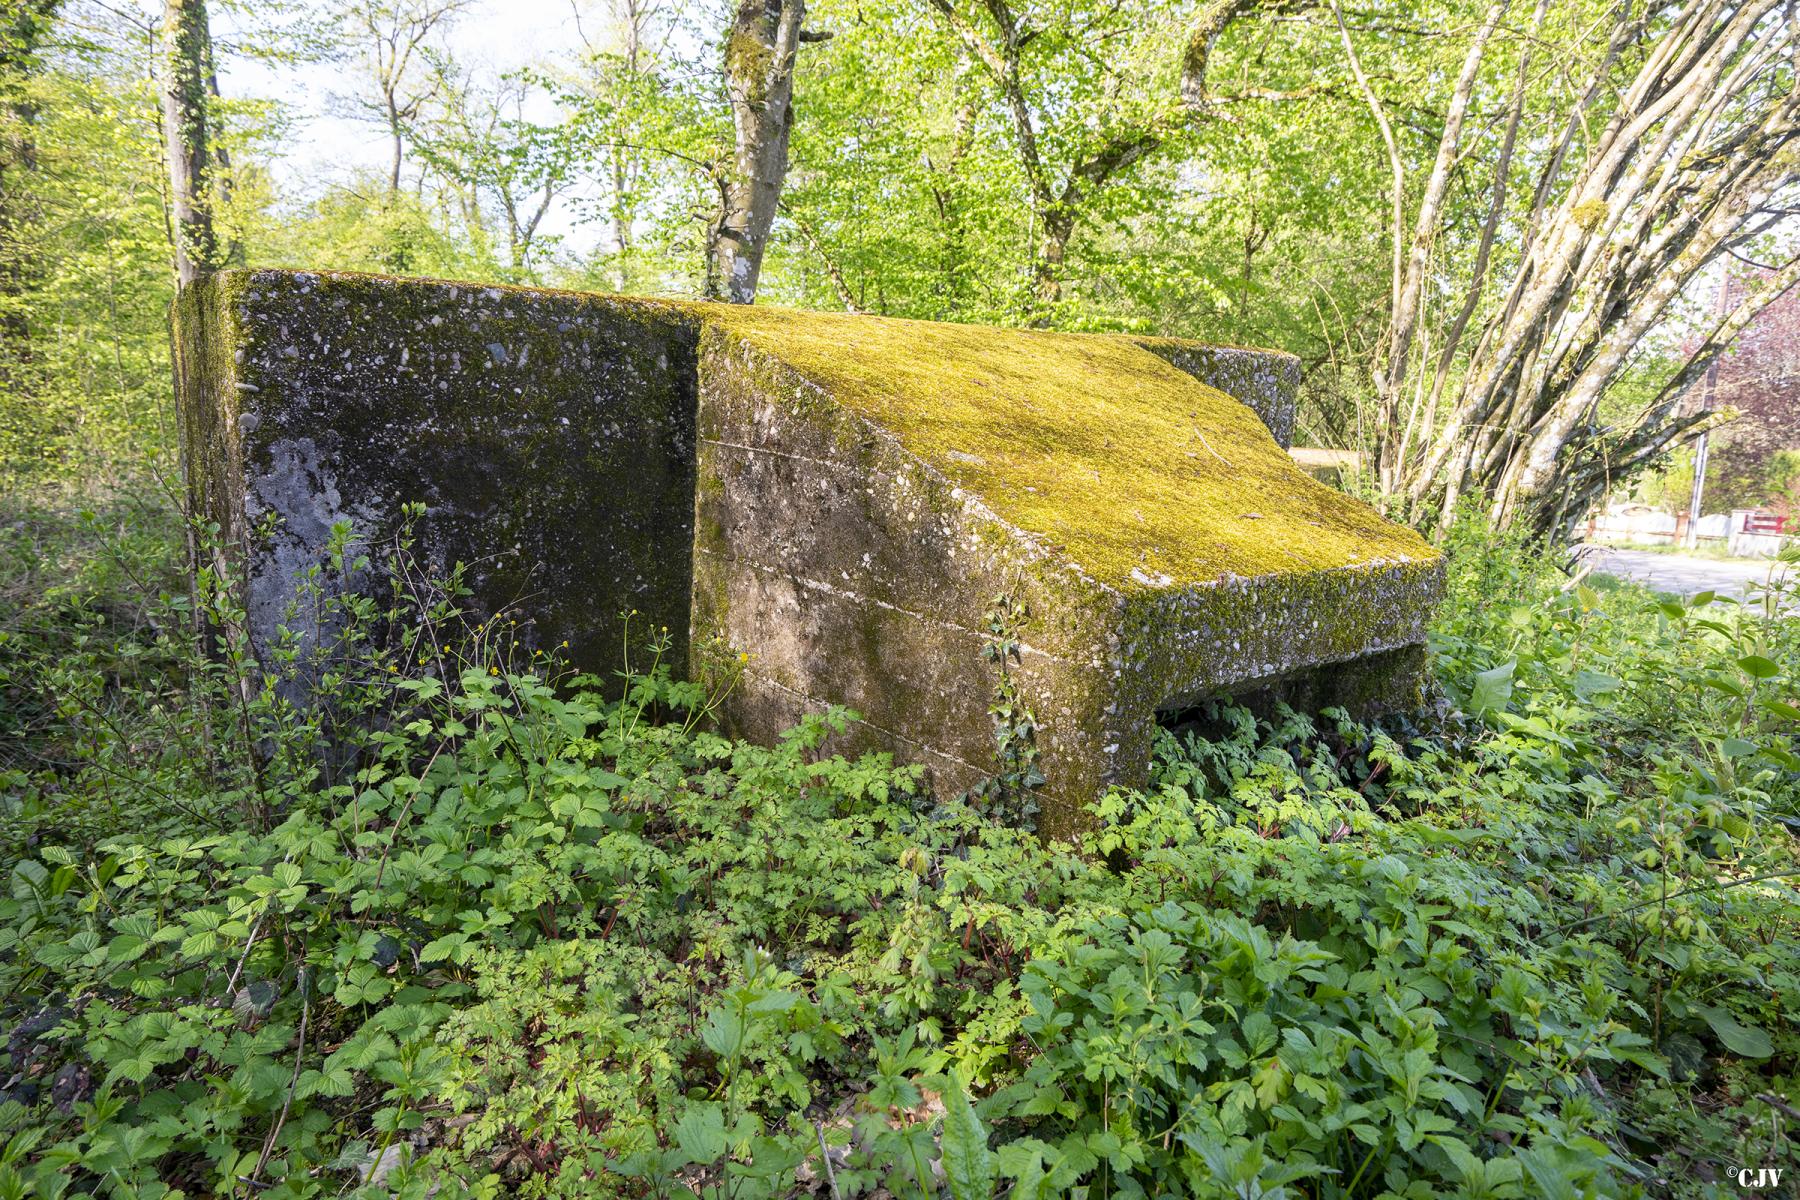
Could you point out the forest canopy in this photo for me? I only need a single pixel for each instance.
(1491, 230)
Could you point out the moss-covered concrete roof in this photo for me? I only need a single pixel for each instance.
(1141, 474)
(786, 482)
(1138, 472)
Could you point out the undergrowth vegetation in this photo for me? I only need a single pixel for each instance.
(418, 913)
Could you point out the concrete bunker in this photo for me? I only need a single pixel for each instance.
(840, 497)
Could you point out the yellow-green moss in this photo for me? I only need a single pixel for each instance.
(1121, 460)
(1134, 469)
(747, 62)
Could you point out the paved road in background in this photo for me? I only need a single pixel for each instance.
(1676, 573)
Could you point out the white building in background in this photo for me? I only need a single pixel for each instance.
(1715, 526)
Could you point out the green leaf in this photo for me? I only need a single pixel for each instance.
(125, 948)
(1745, 1041)
(770, 1159)
(968, 1166)
(701, 1133)
(1781, 708)
(1720, 683)
(1786, 759)
(29, 877)
(1467, 1164)
(1552, 1181)
(1493, 688)
(724, 1033)
(450, 947)
(1686, 1055)
(1589, 684)
(774, 1002)
(333, 1081)
(1758, 667)
(254, 1001)
(63, 954)
(1649, 1060)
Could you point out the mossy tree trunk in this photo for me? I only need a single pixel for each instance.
(186, 68)
(22, 31)
(760, 55)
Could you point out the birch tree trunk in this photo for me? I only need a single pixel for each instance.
(186, 67)
(1682, 144)
(760, 56)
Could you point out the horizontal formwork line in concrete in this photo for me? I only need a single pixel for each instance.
(841, 593)
(805, 458)
(815, 702)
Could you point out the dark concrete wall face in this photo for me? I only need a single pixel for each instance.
(549, 436)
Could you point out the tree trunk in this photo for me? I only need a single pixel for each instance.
(21, 30)
(1410, 273)
(946, 196)
(621, 224)
(187, 64)
(395, 160)
(1047, 271)
(759, 80)
(835, 273)
(1675, 149)
(1058, 205)
(231, 249)
(634, 18)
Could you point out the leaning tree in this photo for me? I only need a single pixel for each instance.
(1586, 167)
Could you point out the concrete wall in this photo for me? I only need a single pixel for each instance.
(1268, 381)
(840, 499)
(859, 576)
(550, 436)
